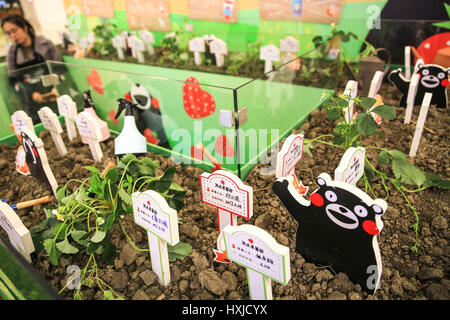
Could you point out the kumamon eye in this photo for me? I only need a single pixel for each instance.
(331, 196)
(425, 72)
(361, 211)
(441, 75)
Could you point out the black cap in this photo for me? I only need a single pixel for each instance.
(88, 103)
(126, 105)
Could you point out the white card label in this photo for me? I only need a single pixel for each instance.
(197, 45)
(50, 120)
(218, 46)
(225, 191)
(270, 53)
(350, 90)
(351, 167)
(289, 44)
(87, 126)
(19, 120)
(290, 154)
(257, 250)
(152, 213)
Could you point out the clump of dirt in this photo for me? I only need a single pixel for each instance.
(406, 275)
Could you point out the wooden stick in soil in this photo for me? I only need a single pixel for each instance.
(30, 203)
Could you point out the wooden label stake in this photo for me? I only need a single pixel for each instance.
(229, 195)
(256, 250)
(269, 54)
(89, 129)
(68, 109)
(197, 45)
(420, 124)
(18, 234)
(50, 121)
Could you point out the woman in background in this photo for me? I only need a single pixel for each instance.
(26, 66)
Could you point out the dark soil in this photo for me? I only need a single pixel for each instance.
(406, 275)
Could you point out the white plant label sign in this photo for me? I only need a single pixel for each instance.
(269, 54)
(290, 154)
(410, 99)
(408, 63)
(18, 234)
(350, 90)
(119, 43)
(220, 49)
(197, 45)
(148, 39)
(226, 192)
(50, 121)
(89, 129)
(257, 251)
(373, 92)
(289, 44)
(152, 213)
(68, 109)
(420, 123)
(351, 167)
(20, 120)
(138, 47)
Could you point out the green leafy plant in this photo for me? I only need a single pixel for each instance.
(103, 39)
(348, 134)
(85, 217)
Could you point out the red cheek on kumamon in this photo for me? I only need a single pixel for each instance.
(370, 227)
(444, 83)
(317, 200)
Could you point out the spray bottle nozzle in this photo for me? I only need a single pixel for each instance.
(88, 103)
(126, 105)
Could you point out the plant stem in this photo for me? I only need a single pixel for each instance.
(129, 239)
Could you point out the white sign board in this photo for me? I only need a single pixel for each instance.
(226, 192)
(289, 44)
(351, 167)
(411, 97)
(68, 109)
(152, 213)
(257, 251)
(19, 120)
(50, 121)
(197, 45)
(18, 234)
(89, 129)
(420, 123)
(137, 47)
(219, 48)
(351, 90)
(120, 44)
(148, 39)
(269, 54)
(375, 86)
(290, 154)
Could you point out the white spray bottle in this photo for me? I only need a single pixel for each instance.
(130, 140)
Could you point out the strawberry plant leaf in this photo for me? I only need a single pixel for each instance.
(367, 102)
(65, 247)
(125, 197)
(398, 155)
(93, 169)
(408, 173)
(112, 175)
(365, 124)
(383, 158)
(81, 237)
(333, 114)
(386, 112)
(180, 250)
(98, 236)
(52, 251)
(368, 171)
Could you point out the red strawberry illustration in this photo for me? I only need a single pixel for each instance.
(155, 103)
(197, 102)
(150, 137)
(95, 81)
(224, 147)
(112, 115)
